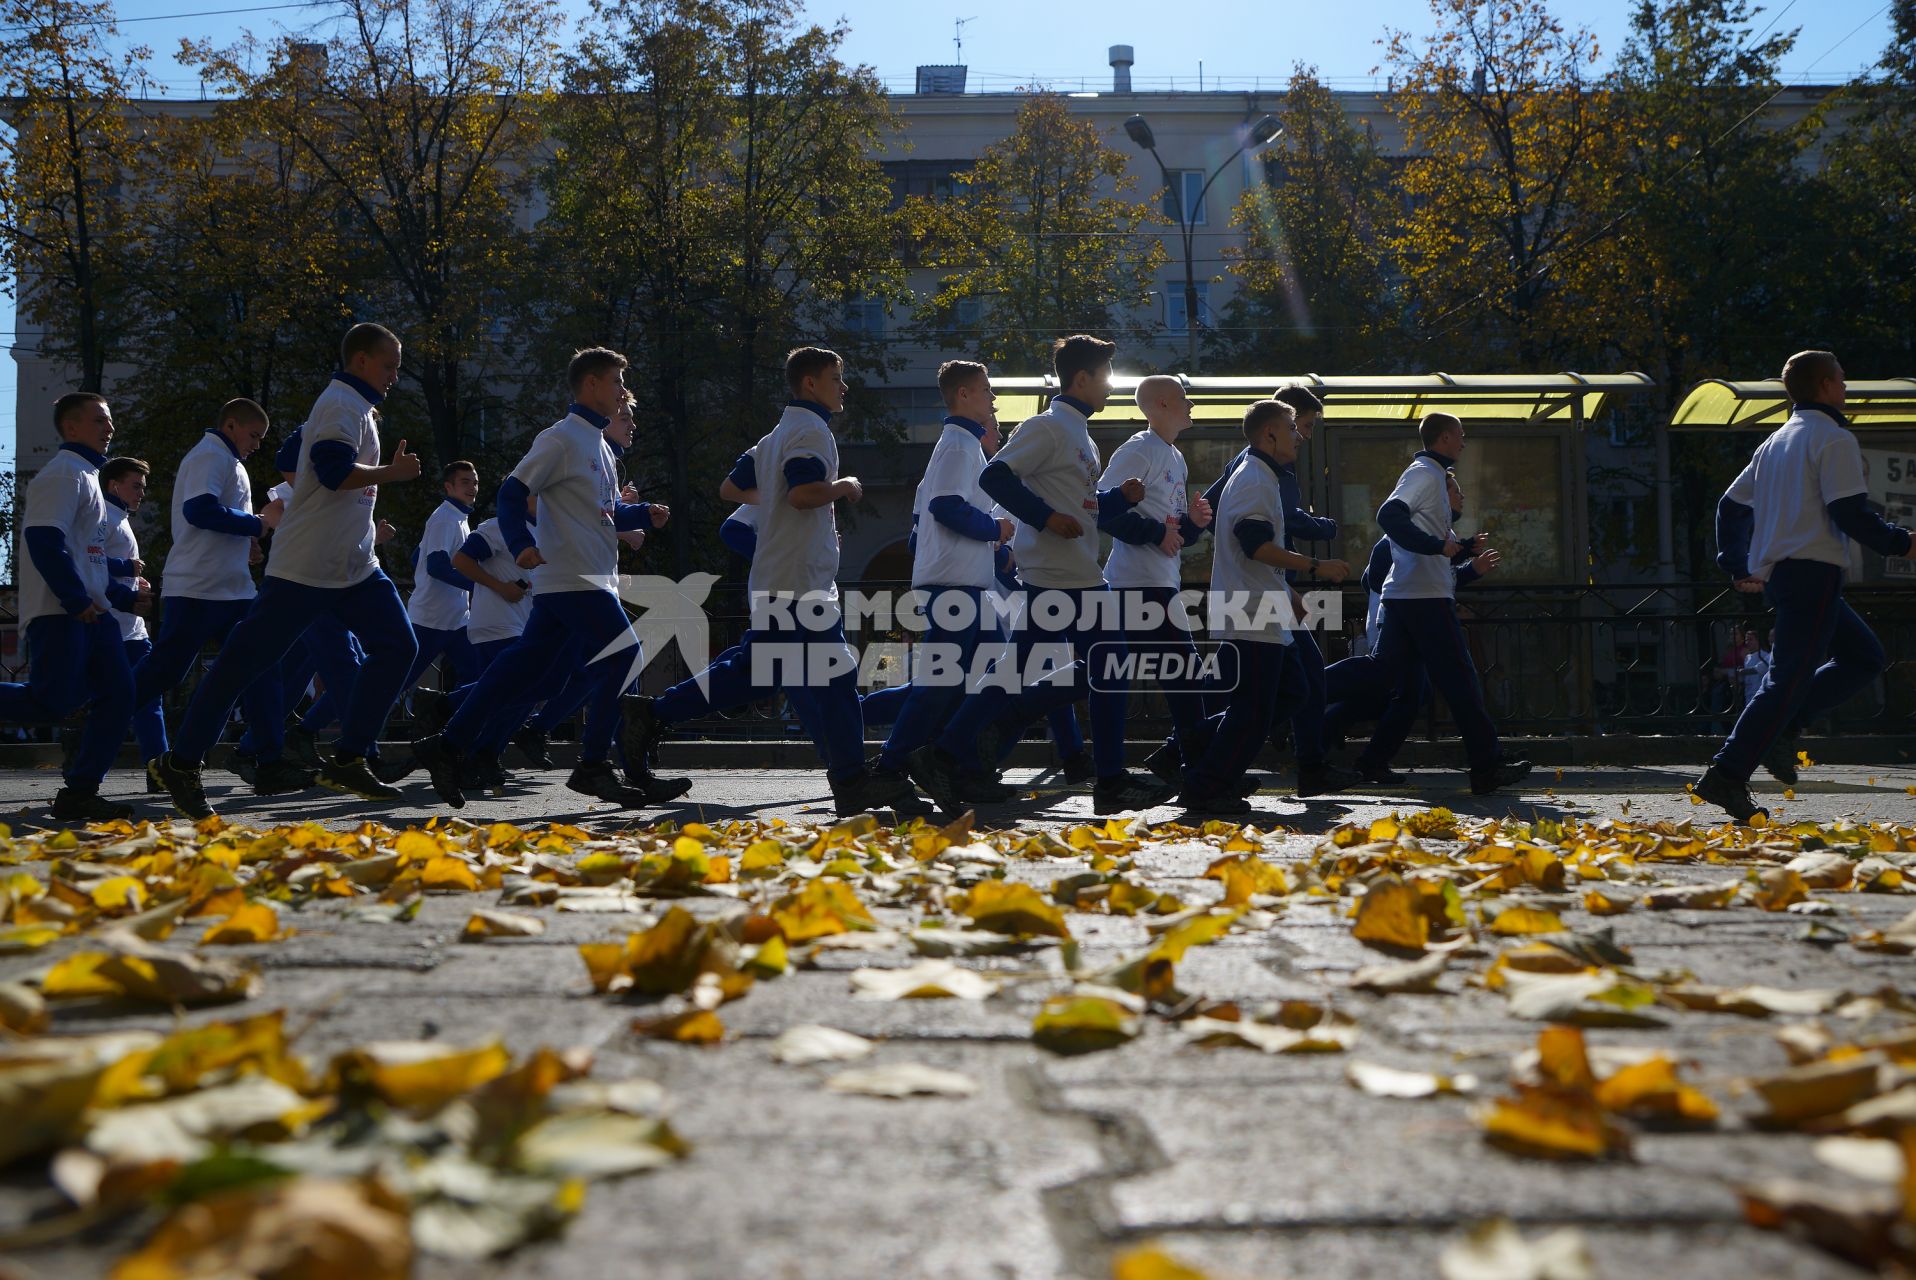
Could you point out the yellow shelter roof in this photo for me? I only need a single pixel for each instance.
(1362, 400)
(1720, 405)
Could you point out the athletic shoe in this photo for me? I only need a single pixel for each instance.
(1726, 793)
(1079, 770)
(875, 789)
(640, 729)
(1780, 760)
(441, 761)
(483, 773)
(304, 743)
(657, 790)
(1325, 780)
(72, 804)
(1250, 784)
(1127, 790)
(280, 777)
(600, 782)
(182, 784)
(1509, 773)
(153, 788)
(430, 711)
(393, 768)
(977, 786)
(532, 745)
(1207, 801)
(936, 771)
(1382, 775)
(246, 766)
(350, 775)
(1167, 763)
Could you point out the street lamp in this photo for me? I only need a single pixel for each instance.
(1138, 129)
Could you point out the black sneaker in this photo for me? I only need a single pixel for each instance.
(153, 788)
(350, 775)
(1509, 773)
(1204, 800)
(182, 784)
(482, 772)
(390, 769)
(1079, 770)
(71, 804)
(246, 766)
(639, 729)
(1325, 780)
(1780, 760)
(936, 771)
(1250, 784)
(280, 777)
(304, 743)
(1382, 775)
(430, 711)
(1127, 790)
(1167, 764)
(441, 761)
(599, 781)
(876, 789)
(1726, 793)
(657, 790)
(532, 745)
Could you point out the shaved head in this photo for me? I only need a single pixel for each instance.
(1158, 390)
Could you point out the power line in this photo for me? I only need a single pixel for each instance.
(173, 17)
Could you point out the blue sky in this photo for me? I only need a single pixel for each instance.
(1014, 42)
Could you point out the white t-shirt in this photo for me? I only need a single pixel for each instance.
(1160, 464)
(1807, 463)
(1252, 493)
(325, 539)
(65, 495)
(945, 557)
(122, 545)
(1425, 490)
(797, 550)
(1054, 456)
(204, 565)
(493, 617)
(570, 469)
(435, 604)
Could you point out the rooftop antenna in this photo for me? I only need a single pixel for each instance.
(958, 36)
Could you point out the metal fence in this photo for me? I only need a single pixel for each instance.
(1572, 660)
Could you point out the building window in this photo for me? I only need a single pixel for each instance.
(866, 316)
(1190, 185)
(1174, 318)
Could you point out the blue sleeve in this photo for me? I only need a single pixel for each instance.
(203, 511)
(47, 548)
(286, 457)
(744, 472)
(1191, 529)
(122, 595)
(739, 536)
(1378, 567)
(1467, 572)
(962, 518)
(1735, 523)
(119, 568)
(1395, 520)
(1117, 517)
(333, 461)
(476, 548)
(1252, 534)
(439, 565)
(627, 516)
(1011, 493)
(511, 504)
(1853, 516)
(1299, 524)
(1216, 491)
(805, 470)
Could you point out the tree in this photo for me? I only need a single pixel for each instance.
(1867, 255)
(746, 214)
(61, 166)
(423, 122)
(1507, 247)
(1041, 240)
(1312, 267)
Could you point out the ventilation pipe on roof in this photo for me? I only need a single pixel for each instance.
(1121, 60)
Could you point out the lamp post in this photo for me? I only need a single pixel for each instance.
(1138, 129)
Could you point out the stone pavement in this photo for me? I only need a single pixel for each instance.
(1244, 1164)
